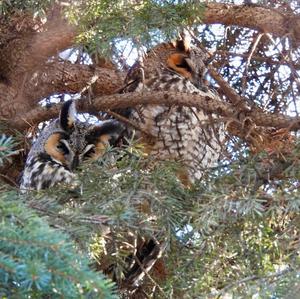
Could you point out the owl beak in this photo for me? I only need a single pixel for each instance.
(75, 162)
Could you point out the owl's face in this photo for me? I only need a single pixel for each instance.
(78, 141)
(63, 145)
(188, 62)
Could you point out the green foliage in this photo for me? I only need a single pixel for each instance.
(105, 23)
(218, 233)
(37, 261)
(38, 7)
(7, 145)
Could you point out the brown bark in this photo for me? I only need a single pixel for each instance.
(209, 104)
(56, 77)
(66, 77)
(29, 50)
(257, 17)
(27, 45)
(25, 76)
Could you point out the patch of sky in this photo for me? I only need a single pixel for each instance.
(73, 54)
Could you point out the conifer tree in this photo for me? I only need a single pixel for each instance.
(235, 232)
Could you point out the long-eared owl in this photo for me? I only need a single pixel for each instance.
(64, 144)
(185, 134)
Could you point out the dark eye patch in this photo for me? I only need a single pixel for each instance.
(185, 65)
(63, 148)
(89, 153)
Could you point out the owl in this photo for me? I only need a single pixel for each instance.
(188, 135)
(63, 145)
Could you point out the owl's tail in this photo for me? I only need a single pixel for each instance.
(145, 259)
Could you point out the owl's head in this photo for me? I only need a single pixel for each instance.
(70, 141)
(179, 56)
(188, 61)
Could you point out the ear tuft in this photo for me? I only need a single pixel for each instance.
(183, 44)
(67, 115)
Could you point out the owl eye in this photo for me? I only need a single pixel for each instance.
(184, 64)
(89, 151)
(63, 147)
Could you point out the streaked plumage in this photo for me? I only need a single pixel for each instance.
(184, 134)
(64, 144)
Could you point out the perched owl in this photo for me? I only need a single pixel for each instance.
(185, 134)
(64, 144)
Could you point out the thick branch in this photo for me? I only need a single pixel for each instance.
(209, 104)
(65, 77)
(57, 77)
(58, 37)
(25, 51)
(257, 17)
(29, 51)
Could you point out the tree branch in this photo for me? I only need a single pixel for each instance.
(267, 60)
(201, 101)
(28, 51)
(256, 17)
(66, 77)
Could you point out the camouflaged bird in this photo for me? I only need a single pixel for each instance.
(63, 145)
(185, 134)
(188, 135)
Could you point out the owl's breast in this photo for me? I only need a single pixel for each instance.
(184, 134)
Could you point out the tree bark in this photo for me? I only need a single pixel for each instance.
(66, 77)
(204, 102)
(264, 19)
(27, 78)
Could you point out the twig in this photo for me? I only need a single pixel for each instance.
(9, 179)
(252, 50)
(129, 122)
(267, 60)
(252, 278)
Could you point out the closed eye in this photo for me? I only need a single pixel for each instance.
(63, 147)
(185, 65)
(89, 151)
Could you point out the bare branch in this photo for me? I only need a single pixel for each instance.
(255, 277)
(202, 101)
(267, 60)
